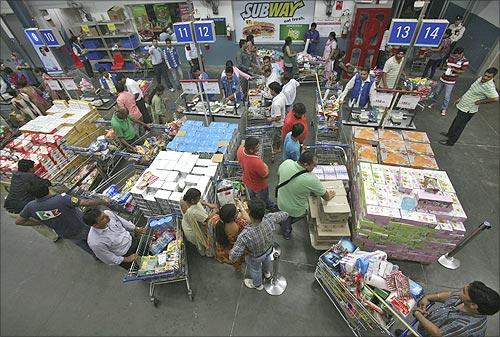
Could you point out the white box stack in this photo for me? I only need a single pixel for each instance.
(176, 172)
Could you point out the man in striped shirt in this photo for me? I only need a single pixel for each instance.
(463, 313)
(482, 91)
(456, 64)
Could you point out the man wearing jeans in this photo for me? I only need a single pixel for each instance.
(482, 91)
(257, 239)
(173, 63)
(158, 63)
(255, 171)
(456, 64)
(294, 189)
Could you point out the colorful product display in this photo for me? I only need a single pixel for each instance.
(411, 214)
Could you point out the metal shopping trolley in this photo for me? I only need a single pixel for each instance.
(267, 136)
(179, 271)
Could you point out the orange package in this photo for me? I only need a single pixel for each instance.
(394, 158)
(365, 135)
(423, 162)
(415, 136)
(366, 153)
(393, 146)
(419, 148)
(389, 135)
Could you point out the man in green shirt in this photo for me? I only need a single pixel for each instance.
(293, 193)
(482, 91)
(123, 125)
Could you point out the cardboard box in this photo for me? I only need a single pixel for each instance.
(336, 210)
(116, 13)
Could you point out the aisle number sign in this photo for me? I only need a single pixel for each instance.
(204, 31)
(430, 33)
(52, 38)
(183, 32)
(34, 36)
(402, 31)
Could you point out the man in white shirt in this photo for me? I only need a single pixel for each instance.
(363, 89)
(383, 50)
(133, 87)
(192, 55)
(278, 112)
(391, 69)
(289, 89)
(270, 78)
(109, 237)
(457, 31)
(158, 63)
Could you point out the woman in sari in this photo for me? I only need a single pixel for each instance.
(35, 95)
(230, 222)
(194, 220)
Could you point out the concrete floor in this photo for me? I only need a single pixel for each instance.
(56, 289)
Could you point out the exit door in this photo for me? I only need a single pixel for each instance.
(366, 35)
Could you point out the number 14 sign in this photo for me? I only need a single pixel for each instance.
(430, 33)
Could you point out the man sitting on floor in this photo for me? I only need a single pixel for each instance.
(109, 237)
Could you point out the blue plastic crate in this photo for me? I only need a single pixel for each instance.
(129, 65)
(96, 55)
(129, 42)
(92, 43)
(105, 65)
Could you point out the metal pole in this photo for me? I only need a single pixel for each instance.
(277, 285)
(191, 12)
(448, 260)
(408, 52)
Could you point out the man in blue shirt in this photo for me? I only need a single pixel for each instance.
(173, 63)
(59, 212)
(291, 147)
(313, 36)
(231, 85)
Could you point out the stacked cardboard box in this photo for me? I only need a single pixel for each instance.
(392, 147)
(389, 216)
(329, 219)
(160, 188)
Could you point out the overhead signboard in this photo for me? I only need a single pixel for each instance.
(402, 31)
(431, 32)
(183, 33)
(204, 31)
(51, 37)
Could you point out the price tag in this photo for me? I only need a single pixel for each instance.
(69, 84)
(408, 102)
(189, 88)
(85, 28)
(382, 99)
(53, 85)
(211, 87)
(111, 27)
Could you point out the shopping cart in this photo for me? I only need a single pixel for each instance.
(266, 135)
(331, 153)
(178, 274)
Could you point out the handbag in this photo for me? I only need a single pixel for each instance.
(286, 182)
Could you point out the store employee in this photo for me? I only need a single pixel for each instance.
(363, 89)
(231, 85)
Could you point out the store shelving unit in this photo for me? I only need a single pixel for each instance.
(100, 40)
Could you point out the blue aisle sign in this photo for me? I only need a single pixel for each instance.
(204, 31)
(401, 31)
(431, 32)
(34, 37)
(183, 33)
(51, 38)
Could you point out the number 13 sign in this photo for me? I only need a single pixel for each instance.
(429, 34)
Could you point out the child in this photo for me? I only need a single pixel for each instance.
(158, 108)
(291, 147)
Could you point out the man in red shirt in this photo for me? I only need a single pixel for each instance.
(255, 171)
(297, 116)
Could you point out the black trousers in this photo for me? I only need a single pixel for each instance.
(160, 70)
(458, 125)
(432, 65)
(130, 251)
(146, 115)
(88, 68)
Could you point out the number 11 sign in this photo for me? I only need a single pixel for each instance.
(183, 33)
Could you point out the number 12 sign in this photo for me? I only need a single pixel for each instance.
(204, 31)
(431, 33)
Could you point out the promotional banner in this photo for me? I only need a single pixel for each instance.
(272, 21)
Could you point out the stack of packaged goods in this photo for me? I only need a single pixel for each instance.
(217, 140)
(160, 188)
(390, 147)
(365, 284)
(412, 214)
(41, 139)
(329, 219)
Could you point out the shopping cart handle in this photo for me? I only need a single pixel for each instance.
(102, 121)
(405, 331)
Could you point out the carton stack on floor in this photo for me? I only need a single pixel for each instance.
(392, 147)
(329, 219)
(411, 214)
(41, 139)
(160, 188)
(207, 141)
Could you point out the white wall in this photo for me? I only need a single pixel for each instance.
(225, 11)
